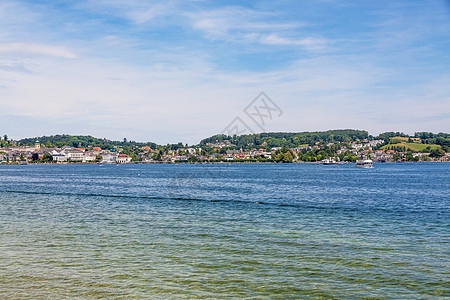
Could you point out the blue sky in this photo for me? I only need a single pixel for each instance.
(174, 71)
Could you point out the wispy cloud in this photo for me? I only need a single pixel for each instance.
(136, 11)
(250, 26)
(14, 66)
(148, 13)
(309, 42)
(37, 49)
(223, 20)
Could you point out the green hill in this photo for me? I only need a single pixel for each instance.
(80, 141)
(415, 147)
(290, 139)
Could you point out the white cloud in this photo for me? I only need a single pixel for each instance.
(137, 11)
(308, 42)
(141, 16)
(246, 25)
(236, 18)
(37, 49)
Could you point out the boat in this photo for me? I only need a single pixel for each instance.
(364, 163)
(328, 161)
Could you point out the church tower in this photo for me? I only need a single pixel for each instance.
(37, 146)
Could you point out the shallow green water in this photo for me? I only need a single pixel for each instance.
(130, 232)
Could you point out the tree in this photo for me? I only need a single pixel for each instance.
(135, 158)
(437, 152)
(192, 159)
(409, 156)
(47, 157)
(5, 137)
(35, 156)
(288, 157)
(284, 155)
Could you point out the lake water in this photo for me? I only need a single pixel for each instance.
(217, 231)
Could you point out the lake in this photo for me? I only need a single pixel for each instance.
(225, 230)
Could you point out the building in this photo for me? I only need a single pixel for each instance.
(58, 157)
(89, 158)
(191, 151)
(109, 158)
(123, 159)
(37, 146)
(73, 154)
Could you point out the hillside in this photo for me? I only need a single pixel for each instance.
(289, 139)
(80, 141)
(415, 147)
(392, 140)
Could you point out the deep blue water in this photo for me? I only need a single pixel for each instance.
(213, 231)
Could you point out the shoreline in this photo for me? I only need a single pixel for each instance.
(205, 163)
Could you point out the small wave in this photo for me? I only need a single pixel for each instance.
(336, 208)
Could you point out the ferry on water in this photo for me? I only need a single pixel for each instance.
(364, 163)
(328, 161)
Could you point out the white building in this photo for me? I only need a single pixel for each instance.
(109, 158)
(58, 157)
(123, 159)
(73, 154)
(89, 157)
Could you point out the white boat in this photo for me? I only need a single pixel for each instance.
(328, 161)
(364, 163)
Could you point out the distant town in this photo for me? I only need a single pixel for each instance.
(339, 145)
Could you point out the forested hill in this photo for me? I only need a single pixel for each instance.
(272, 139)
(248, 141)
(290, 139)
(80, 141)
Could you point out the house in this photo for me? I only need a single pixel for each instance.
(191, 151)
(73, 154)
(58, 157)
(123, 159)
(214, 156)
(89, 157)
(109, 158)
(96, 150)
(181, 157)
(234, 152)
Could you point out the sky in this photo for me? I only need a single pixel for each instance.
(171, 71)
